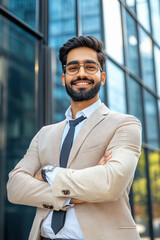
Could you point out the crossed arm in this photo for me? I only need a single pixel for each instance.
(102, 161)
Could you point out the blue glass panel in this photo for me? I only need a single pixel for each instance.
(113, 29)
(131, 4)
(146, 59)
(132, 46)
(25, 10)
(143, 13)
(91, 22)
(135, 100)
(62, 26)
(116, 88)
(151, 119)
(17, 83)
(155, 16)
(157, 67)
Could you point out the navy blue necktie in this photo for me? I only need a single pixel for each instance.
(58, 217)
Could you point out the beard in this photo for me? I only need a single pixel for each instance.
(82, 94)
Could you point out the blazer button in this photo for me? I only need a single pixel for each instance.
(50, 206)
(44, 205)
(47, 206)
(66, 192)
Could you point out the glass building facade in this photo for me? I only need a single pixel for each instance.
(31, 93)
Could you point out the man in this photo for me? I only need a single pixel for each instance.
(93, 189)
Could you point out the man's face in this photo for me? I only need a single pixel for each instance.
(83, 86)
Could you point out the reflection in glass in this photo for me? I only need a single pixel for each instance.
(90, 20)
(146, 59)
(134, 99)
(132, 46)
(131, 4)
(151, 119)
(157, 67)
(143, 13)
(140, 198)
(155, 17)
(154, 170)
(91, 23)
(17, 80)
(115, 88)
(113, 29)
(62, 26)
(25, 10)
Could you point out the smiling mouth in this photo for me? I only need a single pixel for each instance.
(82, 82)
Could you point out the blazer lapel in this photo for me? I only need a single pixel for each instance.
(91, 123)
(58, 139)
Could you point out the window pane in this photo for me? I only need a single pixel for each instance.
(157, 67)
(91, 22)
(146, 59)
(140, 199)
(115, 88)
(155, 16)
(132, 47)
(143, 13)
(113, 29)
(17, 80)
(151, 119)
(135, 99)
(131, 4)
(154, 170)
(25, 10)
(62, 26)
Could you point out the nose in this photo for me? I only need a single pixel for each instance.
(81, 72)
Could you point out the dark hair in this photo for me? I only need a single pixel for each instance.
(83, 41)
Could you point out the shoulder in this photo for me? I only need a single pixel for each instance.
(50, 129)
(117, 119)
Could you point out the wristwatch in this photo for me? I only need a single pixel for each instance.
(45, 169)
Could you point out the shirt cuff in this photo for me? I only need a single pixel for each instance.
(50, 176)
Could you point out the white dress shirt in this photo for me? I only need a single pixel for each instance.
(71, 229)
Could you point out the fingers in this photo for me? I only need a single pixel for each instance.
(105, 158)
(76, 201)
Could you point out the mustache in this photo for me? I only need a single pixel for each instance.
(81, 79)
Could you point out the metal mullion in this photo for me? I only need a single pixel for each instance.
(4, 12)
(139, 80)
(124, 39)
(145, 136)
(135, 18)
(78, 19)
(103, 39)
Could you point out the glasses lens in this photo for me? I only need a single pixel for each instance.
(72, 69)
(91, 68)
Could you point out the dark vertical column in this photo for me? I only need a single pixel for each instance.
(78, 19)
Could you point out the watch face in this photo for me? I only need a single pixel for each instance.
(48, 167)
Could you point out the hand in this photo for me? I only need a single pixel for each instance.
(38, 175)
(103, 161)
(105, 158)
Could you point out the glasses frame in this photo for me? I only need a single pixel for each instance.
(82, 64)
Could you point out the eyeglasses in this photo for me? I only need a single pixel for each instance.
(73, 68)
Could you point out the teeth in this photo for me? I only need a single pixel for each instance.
(82, 83)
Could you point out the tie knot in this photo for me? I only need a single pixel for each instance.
(76, 121)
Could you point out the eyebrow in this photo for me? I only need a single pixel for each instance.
(85, 61)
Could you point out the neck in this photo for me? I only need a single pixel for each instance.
(78, 106)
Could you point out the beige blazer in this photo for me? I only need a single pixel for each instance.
(106, 215)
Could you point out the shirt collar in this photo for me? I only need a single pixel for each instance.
(86, 112)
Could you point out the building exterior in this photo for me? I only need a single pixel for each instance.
(31, 93)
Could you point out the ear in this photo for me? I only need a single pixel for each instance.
(63, 79)
(103, 78)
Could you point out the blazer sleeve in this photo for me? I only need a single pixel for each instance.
(23, 188)
(108, 182)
